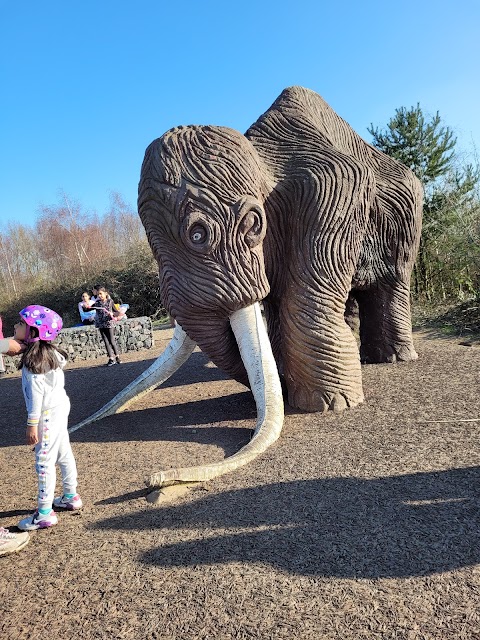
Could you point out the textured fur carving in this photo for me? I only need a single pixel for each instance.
(301, 213)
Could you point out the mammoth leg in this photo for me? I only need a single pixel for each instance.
(321, 357)
(385, 324)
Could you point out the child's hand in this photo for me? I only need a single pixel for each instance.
(32, 435)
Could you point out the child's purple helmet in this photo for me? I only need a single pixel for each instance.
(47, 322)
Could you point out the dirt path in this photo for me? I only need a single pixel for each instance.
(364, 525)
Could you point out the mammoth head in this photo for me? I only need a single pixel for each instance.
(200, 199)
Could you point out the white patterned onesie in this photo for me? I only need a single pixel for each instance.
(48, 407)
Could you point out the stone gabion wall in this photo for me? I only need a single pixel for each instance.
(85, 342)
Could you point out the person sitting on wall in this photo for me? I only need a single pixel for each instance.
(87, 314)
(95, 289)
(120, 311)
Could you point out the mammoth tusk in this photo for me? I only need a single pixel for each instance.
(176, 353)
(250, 333)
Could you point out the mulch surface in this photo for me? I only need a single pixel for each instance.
(360, 525)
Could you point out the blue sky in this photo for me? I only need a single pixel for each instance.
(86, 86)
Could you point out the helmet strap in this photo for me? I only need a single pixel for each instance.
(28, 339)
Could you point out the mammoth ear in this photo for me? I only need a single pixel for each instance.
(251, 220)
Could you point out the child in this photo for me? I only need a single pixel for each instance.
(87, 314)
(48, 407)
(104, 321)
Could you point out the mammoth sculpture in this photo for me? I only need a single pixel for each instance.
(300, 213)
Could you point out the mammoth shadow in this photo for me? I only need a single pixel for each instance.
(89, 393)
(90, 387)
(393, 527)
(189, 422)
(192, 421)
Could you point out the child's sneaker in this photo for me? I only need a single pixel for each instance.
(12, 542)
(38, 521)
(72, 504)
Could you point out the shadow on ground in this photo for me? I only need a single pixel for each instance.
(188, 422)
(400, 526)
(89, 388)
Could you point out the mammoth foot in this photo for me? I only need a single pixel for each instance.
(379, 354)
(316, 401)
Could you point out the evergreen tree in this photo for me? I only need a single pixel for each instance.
(425, 147)
(451, 203)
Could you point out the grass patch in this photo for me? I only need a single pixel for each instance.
(161, 322)
(451, 319)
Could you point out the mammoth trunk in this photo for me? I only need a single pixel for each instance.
(216, 339)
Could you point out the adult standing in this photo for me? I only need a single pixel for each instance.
(104, 321)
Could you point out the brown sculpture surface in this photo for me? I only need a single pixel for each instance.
(302, 214)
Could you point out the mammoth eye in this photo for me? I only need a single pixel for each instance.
(198, 234)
